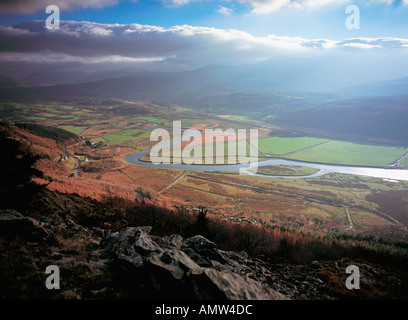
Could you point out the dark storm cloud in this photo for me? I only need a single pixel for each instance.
(33, 6)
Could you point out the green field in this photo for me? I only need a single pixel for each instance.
(158, 120)
(72, 163)
(234, 117)
(50, 106)
(218, 150)
(404, 163)
(74, 129)
(126, 135)
(282, 145)
(349, 153)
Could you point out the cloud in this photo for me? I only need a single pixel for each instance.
(33, 6)
(96, 45)
(27, 7)
(224, 10)
(136, 40)
(392, 2)
(268, 6)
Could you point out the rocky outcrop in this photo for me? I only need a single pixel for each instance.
(13, 224)
(168, 267)
(134, 264)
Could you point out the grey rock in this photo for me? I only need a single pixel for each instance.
(203, 247)
(130, 244)
(174, 240)
(176, 262)
(201, 260)
(235, 287)
(156, 267)
(199, 244)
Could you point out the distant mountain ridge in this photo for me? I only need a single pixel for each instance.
(379, 88)
(8, 82)
(70, 77)
(180, 87)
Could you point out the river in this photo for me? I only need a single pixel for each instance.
(383, 173)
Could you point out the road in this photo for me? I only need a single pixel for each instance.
(181, 177)
(78, 163)
(397, 162)
(349, 218)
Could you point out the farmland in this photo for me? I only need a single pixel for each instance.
(309, 204)
(340, 152)
(74, 129)
(404, 163)
(126, 135)
(331, 151)
(283, 145)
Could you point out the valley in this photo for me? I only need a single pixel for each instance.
(203, 150)
(112, 130)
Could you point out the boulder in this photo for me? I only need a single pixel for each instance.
(151, 267)
(130, 244)
(176, 262)
(206, 249)
(236, 287)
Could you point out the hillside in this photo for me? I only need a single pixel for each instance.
(121, 248)
(380, 106)
(6, 82)
(366, 119)
(69, 77)
(379, 88)
(133, 264)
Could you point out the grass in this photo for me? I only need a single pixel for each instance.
(285, 170)
(282, 145)
(74, 129)
(349, 153)
(217, 151)
(60, 107)
(158, 120)
(235, 117)
(71, 163)
(404, 163)
(126, 135)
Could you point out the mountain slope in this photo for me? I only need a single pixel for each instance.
(379, 88)
(6, 82)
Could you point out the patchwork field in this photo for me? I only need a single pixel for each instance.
(349, 153)
(283, 145)
(74, 129)
(331, 151)
(313, 204)
(195, 151)
(126, 135)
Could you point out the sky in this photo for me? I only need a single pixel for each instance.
(167, 35)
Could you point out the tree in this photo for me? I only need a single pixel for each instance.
(201, 225)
